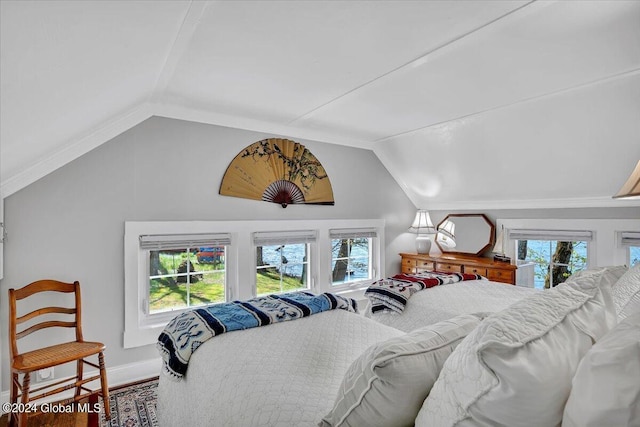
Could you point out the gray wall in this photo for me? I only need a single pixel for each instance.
(70, 224)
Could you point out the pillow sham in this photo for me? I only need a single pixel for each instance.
(517, 365)
(626, 293)
(604, 279)
(609, 275)
(606, 387)
(387, 384)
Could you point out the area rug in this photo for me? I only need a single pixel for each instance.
(133, 405)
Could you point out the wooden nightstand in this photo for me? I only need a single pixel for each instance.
(495, 271)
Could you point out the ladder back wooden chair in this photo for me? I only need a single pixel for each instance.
(27, 363)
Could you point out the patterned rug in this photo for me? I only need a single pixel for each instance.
(133, 405)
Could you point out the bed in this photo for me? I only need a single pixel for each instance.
(285, 374)
(446, 301)
(497, 369)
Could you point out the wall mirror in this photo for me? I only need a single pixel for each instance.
(469, 234)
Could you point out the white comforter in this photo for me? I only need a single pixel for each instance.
(439, 303)
(285, 374)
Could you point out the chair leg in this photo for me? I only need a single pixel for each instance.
(105, 387)
(79, 376)
(13, 397)
(22, 416)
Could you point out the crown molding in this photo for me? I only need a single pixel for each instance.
(565, 203)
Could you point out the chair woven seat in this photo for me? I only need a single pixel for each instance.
(55, 355)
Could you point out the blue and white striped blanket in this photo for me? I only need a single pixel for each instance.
(187, 331)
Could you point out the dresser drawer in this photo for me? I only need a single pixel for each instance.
(422, 265)
(449, 268)
(505, 276)
(408, 270)
(408, 262)
(475, 270)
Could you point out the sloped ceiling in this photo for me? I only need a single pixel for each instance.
(469, 104)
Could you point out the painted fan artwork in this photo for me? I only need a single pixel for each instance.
(278, 171)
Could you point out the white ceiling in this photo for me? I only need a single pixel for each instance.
(469, 104)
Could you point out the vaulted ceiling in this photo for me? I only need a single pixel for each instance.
(468, 104)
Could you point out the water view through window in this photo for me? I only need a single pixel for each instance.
(350, 260)
(282, 268)
(634, 255)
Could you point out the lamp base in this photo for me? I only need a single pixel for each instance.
(423, 244)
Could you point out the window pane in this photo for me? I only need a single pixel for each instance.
(554, 261)
(282, 268)
(634, 255)
(350, 260)
(181, 278)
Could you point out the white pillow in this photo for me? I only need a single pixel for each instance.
(387, 384)
(604, 277)
(515, 368)
(606, 387)
(626, 293)
(610, 275)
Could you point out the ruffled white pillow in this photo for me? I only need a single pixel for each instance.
(626, 293)
(609, 275)
(515, 369)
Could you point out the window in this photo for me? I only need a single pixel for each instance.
(634, 255)
(556, 254)
(631, 241)
(184, 271)
(283, 261)
(351, 255)
(170, 266)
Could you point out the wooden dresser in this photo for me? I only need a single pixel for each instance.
(495, 271)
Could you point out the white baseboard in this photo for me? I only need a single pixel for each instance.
(117, 375)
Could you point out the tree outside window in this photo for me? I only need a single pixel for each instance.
(188, 277)
(350, 260)
(555, 260)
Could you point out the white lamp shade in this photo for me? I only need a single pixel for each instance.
(447, 234)
(422, 223)
(631, 188)
(448, 228)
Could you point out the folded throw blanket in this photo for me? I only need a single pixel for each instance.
(187, 331)
(391, 294)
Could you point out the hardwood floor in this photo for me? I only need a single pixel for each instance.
(53, 420)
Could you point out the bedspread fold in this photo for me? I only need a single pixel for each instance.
(190, 329)
(391, 294)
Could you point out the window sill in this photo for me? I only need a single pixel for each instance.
(142, 336)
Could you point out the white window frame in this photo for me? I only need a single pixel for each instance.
(374, 266)
(240, 259)
(604, 248)
(271, 238)
(190, 241)
(628, 239)
(534, 235)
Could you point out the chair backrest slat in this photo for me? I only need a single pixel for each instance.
(43, 325)
(43, 286)
(43, 311)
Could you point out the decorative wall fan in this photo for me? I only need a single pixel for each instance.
(278, 171)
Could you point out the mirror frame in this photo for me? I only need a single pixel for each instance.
(490, 243)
